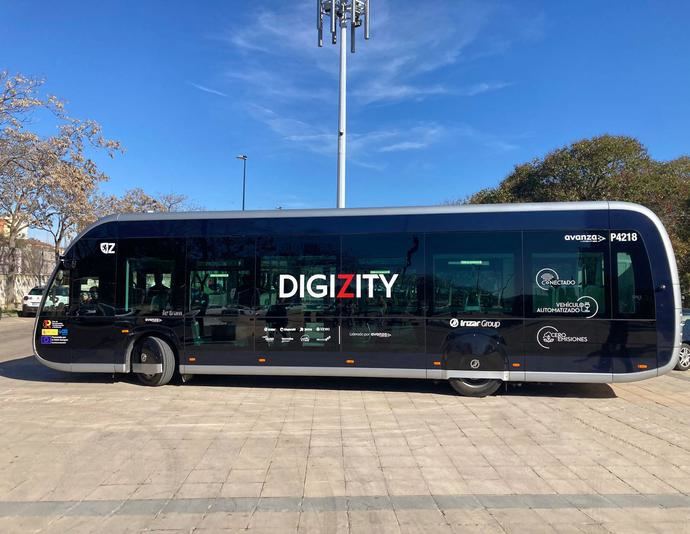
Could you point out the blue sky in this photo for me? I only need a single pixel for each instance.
(442, 101)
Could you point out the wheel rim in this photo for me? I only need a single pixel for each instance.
(685, 356)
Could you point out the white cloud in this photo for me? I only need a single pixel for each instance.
(361, 146)
(483, 87)
(404, 145)
(207, 89)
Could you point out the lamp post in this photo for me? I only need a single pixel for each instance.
(243, 157)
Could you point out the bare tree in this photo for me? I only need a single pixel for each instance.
(139, 201)
(176, 202)
(42, 179)
(72, 180)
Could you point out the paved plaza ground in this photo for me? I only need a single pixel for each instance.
(84, 453)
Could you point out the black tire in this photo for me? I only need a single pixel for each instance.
(159, 351)
(472, 387)
(684, 360)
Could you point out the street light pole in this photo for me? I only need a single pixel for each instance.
(243, 157)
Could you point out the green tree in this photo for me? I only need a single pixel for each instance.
(606, 168)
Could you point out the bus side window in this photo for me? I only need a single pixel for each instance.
(152, 272)
(566, 274)
(626, 284)
(633, 291)
(391, 255)
(474, 273)
(295, 256)
(221, 275)
(149, 285)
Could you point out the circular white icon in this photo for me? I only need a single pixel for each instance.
(454, 322)
(589, 304)
(545, 277)
(547, 335)
(474, 364)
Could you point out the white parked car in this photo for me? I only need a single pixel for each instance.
(684, 360)
(31, 301)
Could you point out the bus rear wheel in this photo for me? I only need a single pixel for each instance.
(153, 349)
(475, 387)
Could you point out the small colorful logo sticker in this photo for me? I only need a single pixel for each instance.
(64, 331)
(46, 323)
(46, 340)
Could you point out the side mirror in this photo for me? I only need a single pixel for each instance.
(68, 263)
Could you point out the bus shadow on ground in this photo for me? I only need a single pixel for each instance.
(438, 387)
(28, 369)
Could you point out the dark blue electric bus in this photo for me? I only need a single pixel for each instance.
(478, 295)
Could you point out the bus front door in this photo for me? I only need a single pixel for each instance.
(96, 342)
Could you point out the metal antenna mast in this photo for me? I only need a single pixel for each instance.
(342, 12)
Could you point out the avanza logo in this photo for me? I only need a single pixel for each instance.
(339, 286)
(585, 238)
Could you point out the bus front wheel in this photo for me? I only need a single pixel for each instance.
(475, 387)
(153, 349)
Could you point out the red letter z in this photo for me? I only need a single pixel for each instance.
(342, 294)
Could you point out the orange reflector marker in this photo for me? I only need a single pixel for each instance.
(516, 364)
(349, 361)
(125, 331)
(262, 360)
(192, 359)
(437, 364)
(642, 366)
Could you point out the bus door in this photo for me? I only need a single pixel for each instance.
(222, 298)
(94, 337)
(568, 325)
(152, 282)
(293, 326)
(633, 343)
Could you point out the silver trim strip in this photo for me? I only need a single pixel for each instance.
(575, 378)
(500, 375)
(435, 374)
(147, 368)
(372, 372)
(432, 374)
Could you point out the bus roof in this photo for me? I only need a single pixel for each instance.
(353, 212)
